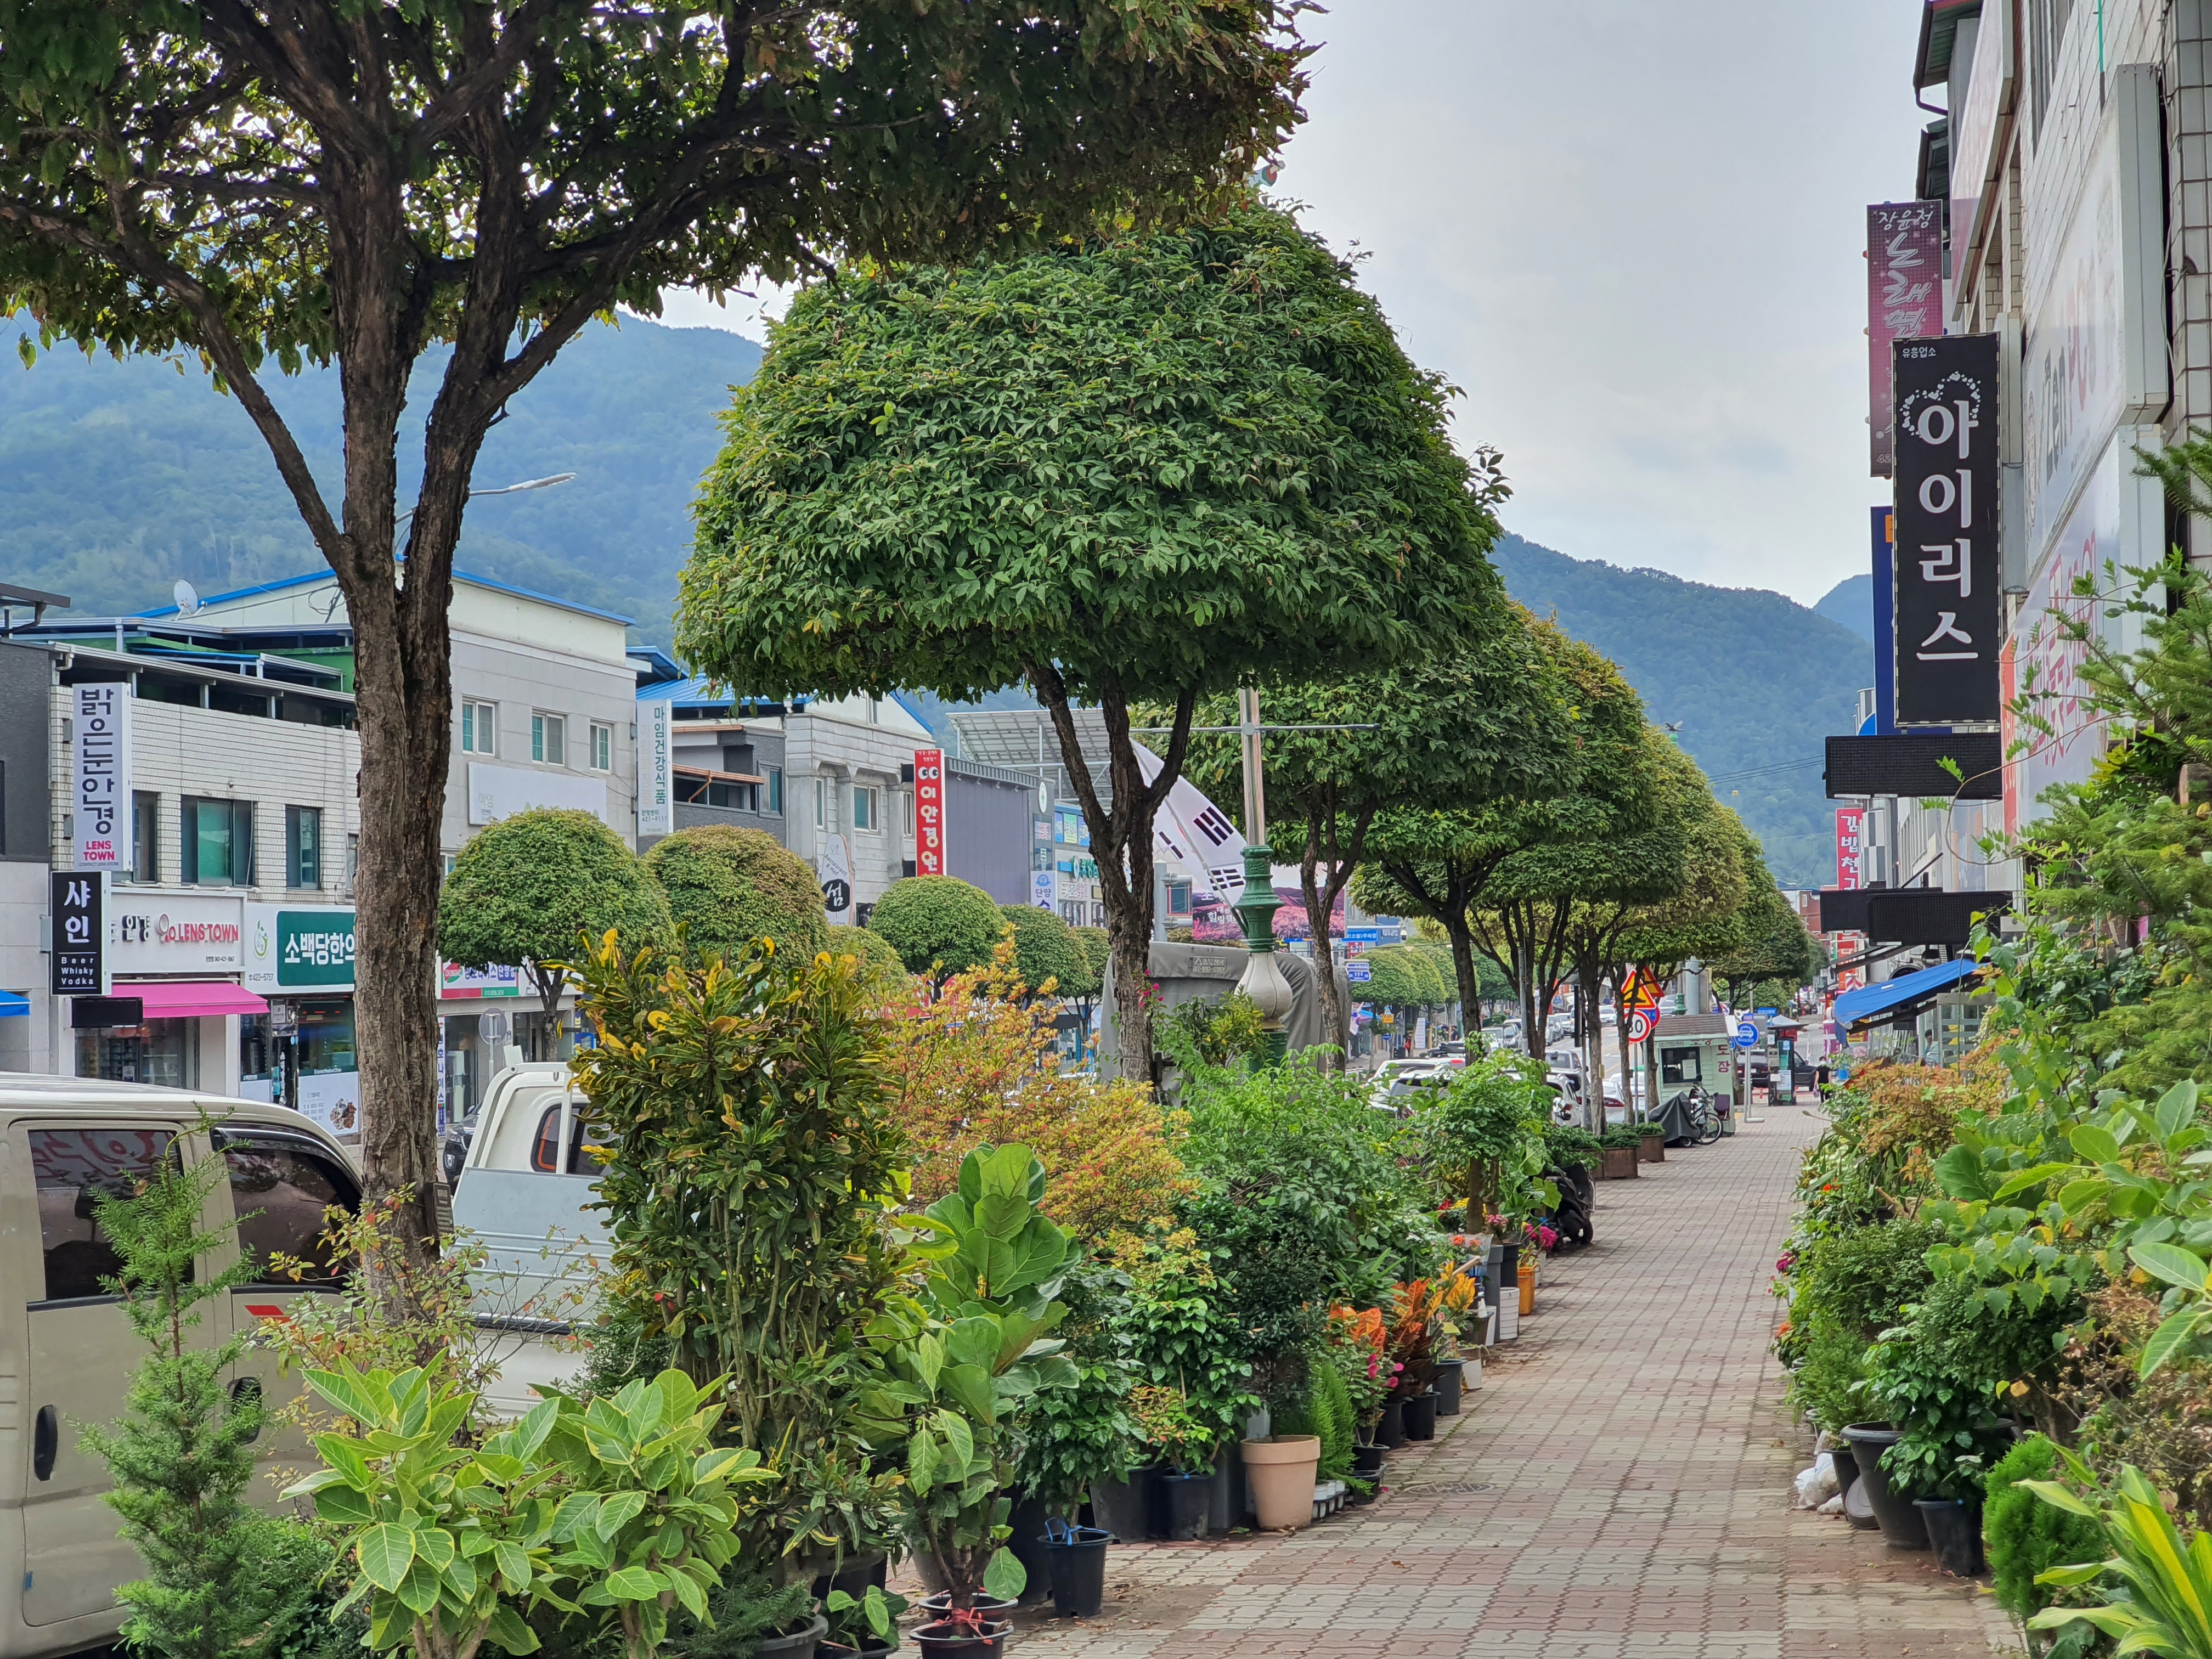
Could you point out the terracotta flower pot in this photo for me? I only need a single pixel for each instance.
(1281, 1475)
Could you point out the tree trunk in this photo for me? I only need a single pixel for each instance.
(1121, 846)
(1321, 896)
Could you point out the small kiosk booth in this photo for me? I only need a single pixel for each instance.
(1783, 1031)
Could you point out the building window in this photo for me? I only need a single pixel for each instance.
(303, 847)
(776, 789)
(353, 861)
(479, 728)
(549, 739)
(145, 835)
(821, 803)
(218, 843)
(906, 813)
(864, 809)
(602, 747)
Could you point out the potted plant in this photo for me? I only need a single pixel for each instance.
(957, 1362)
(1652, 1143)
(861, 1626)
(1081, 1441)
(963, 1633)
(1181, 1488)
(1416, 1324)
(1280, 1470)
(1620, 1149)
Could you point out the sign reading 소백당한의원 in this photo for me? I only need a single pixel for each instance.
(304, 949)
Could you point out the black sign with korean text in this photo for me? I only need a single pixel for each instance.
(1946, 564)
(78, 904)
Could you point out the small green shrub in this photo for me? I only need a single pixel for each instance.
(2026, 1536)
(730, 886)
(1866, 1276)
(1570, 1148)
(1832, 1363)
(1621, 1138)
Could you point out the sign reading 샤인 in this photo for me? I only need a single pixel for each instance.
(102, 734)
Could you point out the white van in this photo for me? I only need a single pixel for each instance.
(68, 1361)
(524, 1194)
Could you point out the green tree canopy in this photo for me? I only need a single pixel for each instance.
(1476, 721)
(1046, 948)
(731, 886)
(1143, 468)
(872, 949)
(529, 888)
(1401, 976)
(259, 187)
(1097, 951)
(939, 924)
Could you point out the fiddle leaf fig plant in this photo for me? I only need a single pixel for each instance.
(957, 1363)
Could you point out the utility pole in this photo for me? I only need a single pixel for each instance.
(1262, 979)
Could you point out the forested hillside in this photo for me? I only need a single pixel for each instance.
(123, 477)
(1755, 682)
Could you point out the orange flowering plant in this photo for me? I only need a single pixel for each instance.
(1416, 1316)
(970, 1064)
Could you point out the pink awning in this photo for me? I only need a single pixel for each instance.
(186, 999)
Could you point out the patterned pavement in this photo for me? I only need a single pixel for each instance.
(1619, 1488)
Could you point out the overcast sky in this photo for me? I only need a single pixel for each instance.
(1632, 234)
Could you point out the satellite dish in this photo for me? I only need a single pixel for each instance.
(188, 599)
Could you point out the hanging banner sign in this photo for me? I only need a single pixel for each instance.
(1850, 846)
(929, 845)
(656, 780)
(102, 729)
(835, 869)
(1905, 301)
(1947, 574)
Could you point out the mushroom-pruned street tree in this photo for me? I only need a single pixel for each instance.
(1046, 951)
(1144, 468)
(262, 185)
(729, 886)
(530, 889)
(939, 924)
(1474, 721)
(1435, 862)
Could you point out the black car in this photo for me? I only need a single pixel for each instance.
(461, 1133)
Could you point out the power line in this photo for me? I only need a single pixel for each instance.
(1760, 771)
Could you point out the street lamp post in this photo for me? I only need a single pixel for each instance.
(504, 489)
(1263, 980)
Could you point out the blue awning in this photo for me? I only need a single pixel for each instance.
(1906, 991)
(14, 1005)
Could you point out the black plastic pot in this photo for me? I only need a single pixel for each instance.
(1118, 1506)
(1367, 1461)
(1077, 1563)
(1954, 1532)
(875, 1650)
(1028, 1519)
(801, 1646)
(1221, 1511)
(943, 1641)
(1450, 1376)
(1179, 1504)
(1421, 1416)
(854, 1576)
(939, 1605)
(1391, 1431)
(1902, 1527)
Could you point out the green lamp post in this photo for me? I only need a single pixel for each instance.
(1263, 979)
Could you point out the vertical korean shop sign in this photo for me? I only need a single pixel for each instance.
(1905, 301)
(1851, 848)
(929, 813)
(102, 724)
(656, 798)
(1945, 525)
(78, 903)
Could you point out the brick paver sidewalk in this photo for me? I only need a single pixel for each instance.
(1617, 1489)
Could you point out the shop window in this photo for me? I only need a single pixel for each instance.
(323, 1035)
(479, 728)
(549, 739)
(145, 835)
(602, 747)
(72, 1169)
(1678, 1066)
(303, 847)
(864, 809)
(163, 1052)
(218, 843)
(280, 1193)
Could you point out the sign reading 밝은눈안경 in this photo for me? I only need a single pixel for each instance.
(101, 730)
(1947, 614)
(929, 847)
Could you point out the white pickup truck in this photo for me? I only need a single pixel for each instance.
(524, 1192)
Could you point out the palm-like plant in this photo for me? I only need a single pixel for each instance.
(2162, 1600)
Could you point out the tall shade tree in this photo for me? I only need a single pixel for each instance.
(264, 183)
(1146, 468)
(530, 889)
(1477, 720)
(1441, 863)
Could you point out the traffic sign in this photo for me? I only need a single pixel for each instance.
(1640, 1023)
(1641, 991)
(1747, 1034)
(1363, 935)
(1358, 972)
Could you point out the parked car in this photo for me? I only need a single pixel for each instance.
(71, 1357)
(1397, 1081)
